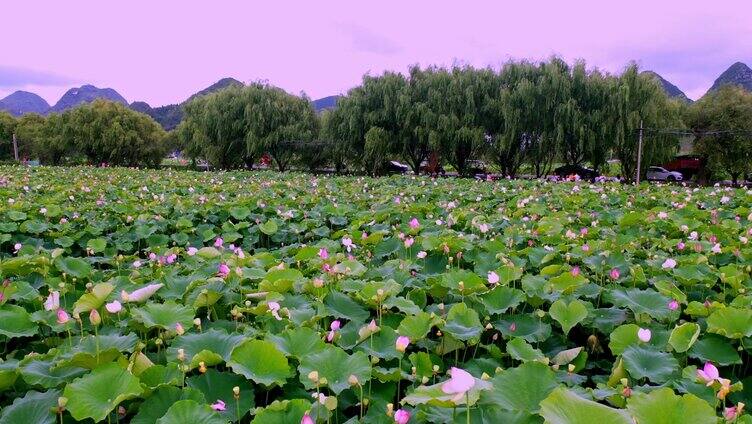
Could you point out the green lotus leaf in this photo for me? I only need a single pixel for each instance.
(471, 282)
(521, 389)
(260, 361)
(341, 305)
(8, 374)
(731, 322)
(285, 411)
(34, 407)
(156, 405)
(501, 299)
(334, 364)
(16, 322)
(415, 327)
(190, 411)
(164, 315)
(217, 385)
(521, 350)
(562, 406)
(462, 322)
(44, 373)
(662, 406)
(435, 396)
(647, 362)
(715, 349)
(684, 336)
(269, 227)
(568, 315)
(648, 302)
(213, 341)
(93, 299)
(527, 326)
(567, 283)
(158, 376)
(75, 267)
(96, 394)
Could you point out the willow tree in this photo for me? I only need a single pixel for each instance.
(722, 120)
(639, 99)
(7, 127)
(275, 122)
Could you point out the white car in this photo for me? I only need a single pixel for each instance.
(657, 173)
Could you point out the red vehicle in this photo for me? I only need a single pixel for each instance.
(688, 165)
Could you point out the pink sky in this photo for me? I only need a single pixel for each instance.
(163, 51)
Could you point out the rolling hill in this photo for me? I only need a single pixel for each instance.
(22, 102)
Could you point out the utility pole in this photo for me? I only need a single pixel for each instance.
(15, 147)
(639, 155)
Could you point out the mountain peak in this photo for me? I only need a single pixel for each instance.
(737, 74)
(21, 102)
(86, 93)
(670, 89)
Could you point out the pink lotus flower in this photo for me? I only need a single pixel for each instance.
(219, 242)
(409, 242)
(152, 256)
(644, 334)
(223, 270)
(219, 405)
(113, 307)
(274, 309)
(614, 274)
(422, 254)
(680, 245)
(17, 247)
(575, 271)
(673, 305)
(402, 343)
(460, 382)
(53, 301)
(334, 327)
(493, 278)
(347, 242)
(708, 374)
(141, 294)
(716, 248)
(171, 258)
(136, 264)
(62, 316)
(191, 251)
(733, 412)
(585, 248)
(669, 264)
(307, 420)
(401, 416)
(323, 253)
(414, 224)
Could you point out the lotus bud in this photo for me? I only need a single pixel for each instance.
(570, 368)
(353, 380)
(485, 377)
(181, 355)
(389, 409)
(179, 329)
(94, 317)
(62, 402)
(330, 403)
(498, 370)
(197, 323)
(313, 376)
(489, 326)
(555, 367)
(89, 286)
(236, 392)
(424, 380)
(201, 367)
(323, 381)
(158, 341)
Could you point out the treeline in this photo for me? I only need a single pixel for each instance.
(526, 113)
(524, 116)
(101, 132)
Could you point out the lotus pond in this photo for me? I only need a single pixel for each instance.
(178, 297)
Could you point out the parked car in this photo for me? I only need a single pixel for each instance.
(658, 173)
(567, 171)
(394, 167)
